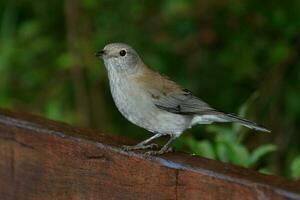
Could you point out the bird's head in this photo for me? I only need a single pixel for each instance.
(119, 57)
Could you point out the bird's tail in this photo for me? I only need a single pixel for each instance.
(222, 117)
(244, 122)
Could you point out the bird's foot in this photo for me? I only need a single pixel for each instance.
(139, 147)
(160, 152)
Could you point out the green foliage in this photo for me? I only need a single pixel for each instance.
(260, 152)
(226, 147)
(295, 168)
(222, 51)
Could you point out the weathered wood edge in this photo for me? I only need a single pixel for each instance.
(178, 161)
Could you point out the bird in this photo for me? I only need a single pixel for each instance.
(154, 102)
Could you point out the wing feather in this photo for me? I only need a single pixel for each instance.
(169, 96)
(183, 103)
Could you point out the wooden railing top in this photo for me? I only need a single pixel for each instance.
(44, 159)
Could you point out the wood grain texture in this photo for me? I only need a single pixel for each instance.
(42, 159)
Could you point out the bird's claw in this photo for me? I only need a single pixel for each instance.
(160, 152)
(139, 147)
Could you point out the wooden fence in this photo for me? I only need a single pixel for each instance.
(43, 159)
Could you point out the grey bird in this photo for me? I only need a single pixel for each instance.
(154, 102)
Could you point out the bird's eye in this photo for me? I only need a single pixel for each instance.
(122, 53)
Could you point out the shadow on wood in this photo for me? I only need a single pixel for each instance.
(43, 159)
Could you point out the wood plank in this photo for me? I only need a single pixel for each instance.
(43, 159)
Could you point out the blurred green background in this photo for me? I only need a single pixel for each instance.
(240, 56)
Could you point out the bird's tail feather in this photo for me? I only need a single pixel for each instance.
(222, 117)
(244, 122)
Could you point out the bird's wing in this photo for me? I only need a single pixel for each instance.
(183, 102)
(169, 96)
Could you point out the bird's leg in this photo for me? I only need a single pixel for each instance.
(165, 148)
(142, 145)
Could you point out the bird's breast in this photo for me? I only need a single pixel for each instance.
(136, 105)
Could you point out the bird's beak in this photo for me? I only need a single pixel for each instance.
(100, 54)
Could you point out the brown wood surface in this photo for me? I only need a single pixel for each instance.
(42, 159)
